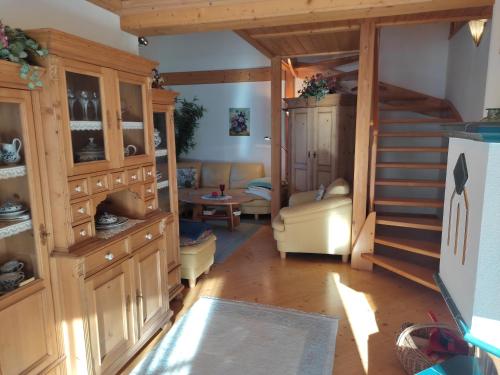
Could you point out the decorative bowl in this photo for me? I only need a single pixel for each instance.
(11, 206)
(106, 219)
(91, 152)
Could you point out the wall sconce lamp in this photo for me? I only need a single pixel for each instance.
(476, 28)
(142, 41)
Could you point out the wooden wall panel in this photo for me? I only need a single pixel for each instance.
(217, 76)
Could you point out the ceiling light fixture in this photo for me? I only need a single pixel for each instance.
(476, 28)
(143, 41)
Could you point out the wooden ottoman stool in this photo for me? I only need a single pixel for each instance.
(197, 259)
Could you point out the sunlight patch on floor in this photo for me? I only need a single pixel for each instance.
(361, 317)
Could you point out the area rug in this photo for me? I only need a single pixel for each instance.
(228, 242)
(221, 337)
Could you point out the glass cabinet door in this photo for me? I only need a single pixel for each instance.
(88, 126)
(133, 118)
(20, 200)
(161, 154)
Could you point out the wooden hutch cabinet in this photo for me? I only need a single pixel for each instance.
(30, 338)
(163, 118)
(112, 284)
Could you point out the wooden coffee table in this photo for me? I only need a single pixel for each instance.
(227, 207)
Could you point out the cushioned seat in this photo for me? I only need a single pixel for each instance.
(197, 259)
(311, 226)
(236, 177)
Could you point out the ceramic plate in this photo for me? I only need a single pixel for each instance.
(121, 220)
(13, 214)
(16, 218)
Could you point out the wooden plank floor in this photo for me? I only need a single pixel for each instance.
(371, 305)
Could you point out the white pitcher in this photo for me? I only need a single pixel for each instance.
(10, 151)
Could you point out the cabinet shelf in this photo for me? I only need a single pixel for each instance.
(132, 125)
(162, 184)
(85, 125)
(8, 229)
(7, 172)
(161, 152)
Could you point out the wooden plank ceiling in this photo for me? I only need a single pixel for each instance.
(160, 17)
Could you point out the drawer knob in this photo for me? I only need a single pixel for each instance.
(149, 190)
(83, 233)
(118, 180)
(150, 173)
(81, 210)
(150, 207)
(99, 183)
(134, 177)
(78, 188)
(109, 256)
(149, 236)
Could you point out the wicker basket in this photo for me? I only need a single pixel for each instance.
(411, 357)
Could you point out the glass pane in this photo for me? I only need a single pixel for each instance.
(18, 260)
(85, 114)
(132, 119)
(160, 138)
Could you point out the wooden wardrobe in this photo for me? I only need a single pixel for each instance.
(321, 143)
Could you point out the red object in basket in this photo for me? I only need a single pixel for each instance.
(442, 340)
(215, 193)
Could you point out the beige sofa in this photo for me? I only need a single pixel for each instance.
(235, 176)
(311, 226)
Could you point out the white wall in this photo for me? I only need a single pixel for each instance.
(492, 95)
(466, 76)
(203, 51)
(215, 51)
(415, 57)
(78, 17)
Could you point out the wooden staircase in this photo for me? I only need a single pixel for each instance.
(408, 182)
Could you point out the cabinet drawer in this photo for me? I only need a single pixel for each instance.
(149, 173)
(118, 180)
(78, 188)
(81, 211)
(145, 236)
(134, 175)
(99, 183)
(148, 190)
(82, 232)
(151, 205)
(105, 257)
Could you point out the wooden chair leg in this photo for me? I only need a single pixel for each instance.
(345, 258)
(282, 255)
(192, 283)
(207, 271)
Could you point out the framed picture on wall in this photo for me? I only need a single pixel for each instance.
(239, 121)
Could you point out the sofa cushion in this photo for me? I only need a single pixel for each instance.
(243, 173)
(214, 174)
(192, 164)
(337, 187)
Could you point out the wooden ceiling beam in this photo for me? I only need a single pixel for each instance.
(455, 28)
(255, 43)
(217, 76)
(114, 6)
(330, 63)
(156, 17)
(306, 32)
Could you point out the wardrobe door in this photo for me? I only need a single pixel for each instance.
(325, 153)
(300, 152)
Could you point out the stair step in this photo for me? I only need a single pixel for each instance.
(409, 202)
(405, 121)
(419, 274)
(407, 221)
(412, 165)
(422, 247)
(416, 134)
(413, 149)
(413, 107)
(410, 183)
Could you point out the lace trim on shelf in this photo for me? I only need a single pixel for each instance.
(11, 172)
(85, 125)
(15, 228)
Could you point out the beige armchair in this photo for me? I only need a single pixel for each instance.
(311, 226)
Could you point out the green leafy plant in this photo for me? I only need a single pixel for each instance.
(186, 117)
(17, 47)
(317, 86)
